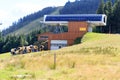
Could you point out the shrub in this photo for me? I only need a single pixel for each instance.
(77, 40)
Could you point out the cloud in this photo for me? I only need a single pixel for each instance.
(6, 19)
(27, 8)
(19, 10)
(3, 14)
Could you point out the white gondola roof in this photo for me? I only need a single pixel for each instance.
(96, 19)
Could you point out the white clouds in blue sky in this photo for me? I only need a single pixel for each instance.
(12, 10)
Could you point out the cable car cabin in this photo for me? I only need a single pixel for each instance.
(97, 19)
(78, 25)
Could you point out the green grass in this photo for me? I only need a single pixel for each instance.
(93, 37)
(96, 44)
(96, 58)
(5, 55)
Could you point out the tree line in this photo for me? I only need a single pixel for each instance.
(80, 7)
(13, 41)
(112, 10)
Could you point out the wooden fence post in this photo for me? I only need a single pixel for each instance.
(54, 60)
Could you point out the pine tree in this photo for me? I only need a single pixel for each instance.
(1, 41)
(23, 41)
(101, 8)
(108, 10)
(7, 44)
(100, 11)
(116, 17)
(0, 36)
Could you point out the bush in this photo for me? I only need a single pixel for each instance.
(77, 40)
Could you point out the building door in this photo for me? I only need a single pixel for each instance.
(57, 44)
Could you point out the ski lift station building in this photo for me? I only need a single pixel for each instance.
(78, 25)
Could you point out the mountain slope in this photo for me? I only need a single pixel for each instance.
(97, 57)
(34, 25)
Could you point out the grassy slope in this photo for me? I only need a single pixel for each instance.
(97, 58)
(97, 44)
(34, 25)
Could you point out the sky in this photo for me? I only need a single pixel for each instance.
(12, 10)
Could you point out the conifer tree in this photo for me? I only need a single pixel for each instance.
(101, 8)
(23, 41)
(100, 11)
(108, 10)
(116, 17)
(0, 36)
(1, 42)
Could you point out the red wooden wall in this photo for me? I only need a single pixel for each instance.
(75, 29)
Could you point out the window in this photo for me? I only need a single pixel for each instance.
(104, 19)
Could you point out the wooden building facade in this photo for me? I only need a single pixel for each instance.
(78, 25)
(75, 30)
